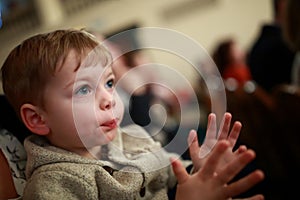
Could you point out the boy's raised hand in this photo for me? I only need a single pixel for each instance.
(208, 184)
(199, 154)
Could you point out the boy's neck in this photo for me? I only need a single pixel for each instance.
(93, 153)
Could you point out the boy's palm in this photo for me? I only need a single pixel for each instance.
(199, 154)
(209, 185)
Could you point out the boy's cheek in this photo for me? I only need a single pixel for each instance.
(84, 117)
(119, 108)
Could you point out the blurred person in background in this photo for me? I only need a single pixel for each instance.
(292, 35)
(230, 60)
(270, 58)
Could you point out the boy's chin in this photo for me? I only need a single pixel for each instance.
(111, 135)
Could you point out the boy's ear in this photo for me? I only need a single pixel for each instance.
(33, 119)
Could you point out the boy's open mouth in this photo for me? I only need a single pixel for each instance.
(110, 124)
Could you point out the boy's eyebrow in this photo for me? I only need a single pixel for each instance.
(69, 84)
(110, 73)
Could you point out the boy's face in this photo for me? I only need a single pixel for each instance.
(82, 108)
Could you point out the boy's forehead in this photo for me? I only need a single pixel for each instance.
(92, 58)
(84, 64)
(95, 71)
(94, 62)
(71, 60)
(83, 59)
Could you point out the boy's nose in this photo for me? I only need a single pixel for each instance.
(107, 103)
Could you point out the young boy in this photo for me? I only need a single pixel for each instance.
(61, 85)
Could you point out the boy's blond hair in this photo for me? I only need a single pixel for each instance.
(30, 65)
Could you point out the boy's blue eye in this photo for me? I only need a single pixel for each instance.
(84, 90)
(110, 83)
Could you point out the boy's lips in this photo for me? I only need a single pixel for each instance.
(110, 124)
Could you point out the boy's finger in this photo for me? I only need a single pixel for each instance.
(235, 166)
(245, 184)
(179, 171)
(211, 127)
(256, 197)
(234, 133)
(193, 145)
(240, 150)
(225, 126)
(209, 168)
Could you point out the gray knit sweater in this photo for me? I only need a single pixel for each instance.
(136, 168)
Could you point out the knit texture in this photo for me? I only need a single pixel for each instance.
(136, 167)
